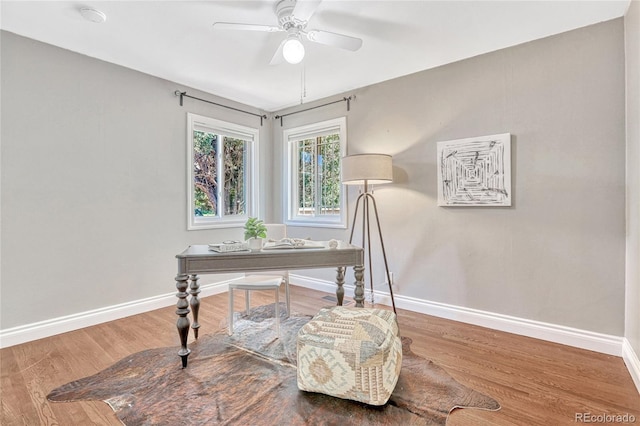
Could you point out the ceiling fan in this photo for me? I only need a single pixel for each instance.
(293, 17)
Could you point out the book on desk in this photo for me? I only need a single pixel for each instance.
(229, 247)
(293, 243)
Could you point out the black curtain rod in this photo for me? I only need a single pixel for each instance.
(347, 100)
(184, 94)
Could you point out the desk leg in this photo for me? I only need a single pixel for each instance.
(340, 284)
(359, 290)
(195, 303)
(182, 311)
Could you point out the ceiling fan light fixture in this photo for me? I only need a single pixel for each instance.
(293, 49)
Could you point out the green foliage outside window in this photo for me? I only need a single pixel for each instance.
(319, 175)
(235, 153)
(205, 172)
(330, 174)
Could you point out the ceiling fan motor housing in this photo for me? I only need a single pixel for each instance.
(286, 20)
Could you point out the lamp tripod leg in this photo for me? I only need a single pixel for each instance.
(367, 222)
(384, 254)
(366, 236)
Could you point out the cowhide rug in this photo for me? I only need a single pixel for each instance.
(250, 379)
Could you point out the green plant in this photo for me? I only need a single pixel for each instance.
(254, 228)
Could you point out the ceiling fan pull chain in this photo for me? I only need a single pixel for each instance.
(303, 83)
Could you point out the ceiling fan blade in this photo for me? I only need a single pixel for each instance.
(304, 9)
(245, 27)
(334, 39)
(278, 57)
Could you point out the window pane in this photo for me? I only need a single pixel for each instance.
(329, 166)
(223, 173)
(204, 174)
(314, 189)
(235, 164)
(319, 176)
(306, 177)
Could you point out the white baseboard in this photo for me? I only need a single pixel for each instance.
(604, 343)
(612, 345)
(39, 330)
(632, 361)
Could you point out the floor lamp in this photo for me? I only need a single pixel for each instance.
(366, 170)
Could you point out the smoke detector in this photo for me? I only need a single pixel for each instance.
(93, 15)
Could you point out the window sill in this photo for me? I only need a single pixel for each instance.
(216, 225)
(315, 224)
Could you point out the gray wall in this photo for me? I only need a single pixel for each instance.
(632, 42)
(93, 182)
(557, 255)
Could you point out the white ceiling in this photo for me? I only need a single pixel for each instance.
(175, 40)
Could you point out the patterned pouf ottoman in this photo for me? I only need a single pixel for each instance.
(350, 353)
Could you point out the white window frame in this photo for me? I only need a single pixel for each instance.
(289, 137)
(223, 128)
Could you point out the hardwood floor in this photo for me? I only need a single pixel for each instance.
(536, 382)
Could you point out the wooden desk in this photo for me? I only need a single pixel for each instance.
(200, 260)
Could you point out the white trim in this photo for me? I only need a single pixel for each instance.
(290, 183)
(584, 339)
(42, 329)
(612, 345)
(632, 361)
(252, 136)
(315, 283)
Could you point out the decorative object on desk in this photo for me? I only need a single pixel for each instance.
(249, 378)
(293, 243)
(255, 244)
(254, 231)
(475, 171)
(366, 170)
(229, 246)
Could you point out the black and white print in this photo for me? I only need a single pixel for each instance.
(475, 171)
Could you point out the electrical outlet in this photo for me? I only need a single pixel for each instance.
(394, 286)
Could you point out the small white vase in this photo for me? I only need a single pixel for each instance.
(255, 244)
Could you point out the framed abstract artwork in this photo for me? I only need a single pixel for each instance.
(475, 171)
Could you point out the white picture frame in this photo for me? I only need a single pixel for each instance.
(475, 171)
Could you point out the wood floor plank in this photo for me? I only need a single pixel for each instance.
(36, 365)
(536, 382)
(14, 393)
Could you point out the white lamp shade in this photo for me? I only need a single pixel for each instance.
(367, 168)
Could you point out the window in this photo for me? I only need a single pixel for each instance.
(222, 164)
(314, 188)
